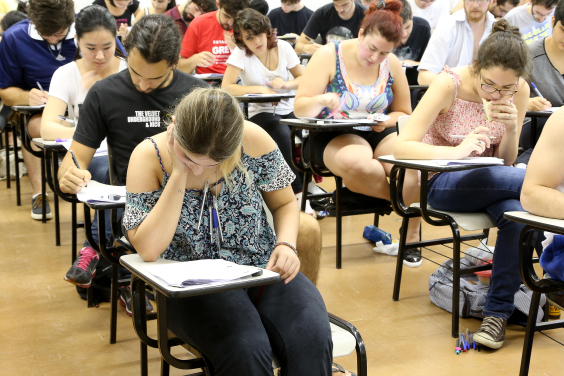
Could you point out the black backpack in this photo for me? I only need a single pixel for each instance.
(101, 283)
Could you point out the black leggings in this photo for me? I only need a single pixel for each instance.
(238, 331)
(280, 133)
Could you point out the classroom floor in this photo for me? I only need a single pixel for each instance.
(46, 329)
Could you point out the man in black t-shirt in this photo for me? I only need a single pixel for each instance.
(290, 18)
(337, 21)
(131, 105)
(415, 37)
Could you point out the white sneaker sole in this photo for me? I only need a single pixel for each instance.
(413, 264)
(487, 342)
(39, 217)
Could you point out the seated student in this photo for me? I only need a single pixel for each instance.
(127, 107)
(264, 65)
(184, 13)
(260, 6)
(124, 11)
(454, 106)
(209, 41)
(499, 8)
(533, 19)
(456, 40)
(158, 7)
(543, 189)
(238, 331)
(432, 11)
(371, 79)
(414, 39)
(290, 18)
(30, 52)
(11, 18)
(335, 21)
(547, 74)
(96, 34)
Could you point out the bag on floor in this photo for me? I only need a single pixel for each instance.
(472, 293)
(23, 168)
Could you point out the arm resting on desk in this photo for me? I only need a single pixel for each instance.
(14, 96)
(52, 127)
(545, 172)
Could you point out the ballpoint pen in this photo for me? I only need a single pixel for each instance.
(75, 162)
(66, 119)
(211, 225)
(203, 203)
(40, 88)
(464, 136)
(310, 39)
(216, 209)
(536, 90)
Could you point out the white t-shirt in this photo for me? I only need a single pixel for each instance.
(433, 13)
(530, 29)
(254, 73)
(67, 85)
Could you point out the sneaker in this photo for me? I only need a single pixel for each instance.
(84, 268)
(313, 188)
(412, 258)
(125, 301)
(491, 333)
(37, 208)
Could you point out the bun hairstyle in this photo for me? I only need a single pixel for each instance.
(383, 17)
(504, 48)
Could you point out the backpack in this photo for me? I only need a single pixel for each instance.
(101, 283)
(472, 293)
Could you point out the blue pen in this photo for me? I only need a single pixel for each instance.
(40, 88)
(536, 90)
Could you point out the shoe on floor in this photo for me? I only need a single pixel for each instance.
(84, 268)
(491, 333)
(412, 258)
(125, 301)
(555, 298)
(338, 370)
(37, 207)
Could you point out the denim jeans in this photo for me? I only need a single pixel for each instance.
(238, 331)
(495, 190)
(100, 171)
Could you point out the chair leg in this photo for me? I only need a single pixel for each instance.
(399, 261)
(144, 360)
(307, 176)
(7, 140)
(339, 219)
(376, 219)
(165, 368)
(455, 283)
(530, 334)
(114, 297)
(74, 241)
(57, 221)
(17, 165)
(43, 191)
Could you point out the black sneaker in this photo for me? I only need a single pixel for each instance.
(125, 301)
(37, 208)
(412, 257)
(84, 268)
(491, 333)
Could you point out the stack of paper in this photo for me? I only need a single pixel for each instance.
(101, 151)
(98, 192)
(200, 272)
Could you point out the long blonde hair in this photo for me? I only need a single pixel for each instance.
(210, 122)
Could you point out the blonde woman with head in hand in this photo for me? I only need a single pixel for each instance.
(478, 111)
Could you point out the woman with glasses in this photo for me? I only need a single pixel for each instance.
(450, 123)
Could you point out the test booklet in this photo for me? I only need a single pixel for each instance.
(98, 192)
(200, 272)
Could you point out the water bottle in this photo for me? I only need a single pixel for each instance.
(375, 234)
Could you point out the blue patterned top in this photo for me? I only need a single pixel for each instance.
(248, 239)
(359, 101)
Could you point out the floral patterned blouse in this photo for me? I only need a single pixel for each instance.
(358, 101)
(461, 119)
(248, 239)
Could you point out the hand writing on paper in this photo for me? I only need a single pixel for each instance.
(37, 97)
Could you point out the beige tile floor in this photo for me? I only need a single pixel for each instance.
(46, 329)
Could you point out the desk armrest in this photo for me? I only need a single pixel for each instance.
(105, 205)
(313, 126)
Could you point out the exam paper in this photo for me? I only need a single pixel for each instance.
(98, 192)
(200, 272)
(470, 160)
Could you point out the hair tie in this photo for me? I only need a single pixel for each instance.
(381, 5)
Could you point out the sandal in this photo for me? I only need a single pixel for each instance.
(338, 370)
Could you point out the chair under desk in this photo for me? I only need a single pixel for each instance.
(466, 221)
(538, 285)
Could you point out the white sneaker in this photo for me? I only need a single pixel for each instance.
(309, 210)
(314, 189)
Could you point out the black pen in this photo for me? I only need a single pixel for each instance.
(310, 39)
(75, 162)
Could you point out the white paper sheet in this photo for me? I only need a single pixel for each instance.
(98, 192)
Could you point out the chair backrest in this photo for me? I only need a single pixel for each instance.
(112, 167)
(402, 120)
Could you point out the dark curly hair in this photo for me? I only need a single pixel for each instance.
(504, 48)
(253, 23)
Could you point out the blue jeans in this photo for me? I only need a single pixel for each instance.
(495, 190)
(100, 171)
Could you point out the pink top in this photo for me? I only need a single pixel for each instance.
(461, 119)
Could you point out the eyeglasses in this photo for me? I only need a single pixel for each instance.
(538, 16)
(490, 89)
(481, 2)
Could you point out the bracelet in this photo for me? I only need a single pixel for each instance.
(287, 245)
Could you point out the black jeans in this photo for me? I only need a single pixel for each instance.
(238, 331)
(280, 133)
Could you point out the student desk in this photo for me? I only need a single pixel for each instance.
(26, 112)
(261, 98)
(530, 278)
(214, 79)
(535, 115)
